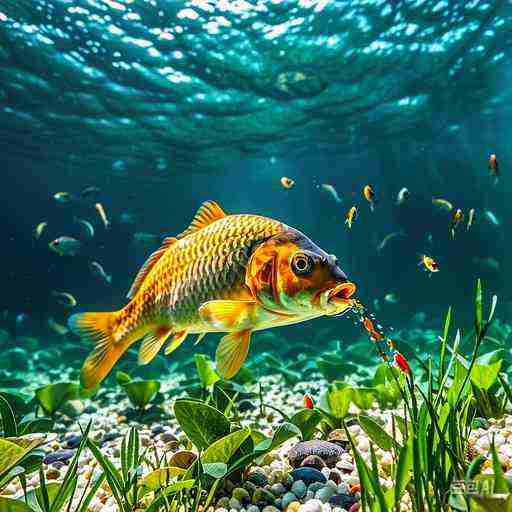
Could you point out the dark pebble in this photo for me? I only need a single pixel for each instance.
(110, 436)
(330, 453)
(258, 478)
(246, 405)
(308, 475)
(73, 441)
(90, 409)
(342, 500)
(167, 437)
(157, 429)
(59, 455)
(313, 461)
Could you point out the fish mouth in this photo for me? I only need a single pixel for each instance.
(337, 300)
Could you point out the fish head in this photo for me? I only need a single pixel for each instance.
(291, 275)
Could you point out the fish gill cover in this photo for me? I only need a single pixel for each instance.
(193, 82)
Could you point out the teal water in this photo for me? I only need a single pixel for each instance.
(162, 105)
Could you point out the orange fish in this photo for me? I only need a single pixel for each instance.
(374, 334)
(402, 363)
(457, 218)
(350, 217)
(308, 402)
(225, 273)
(102, 214)
(494, 168)
(369, 195)
(287, 182)
(429, 263)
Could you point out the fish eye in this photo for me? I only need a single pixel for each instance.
(302, 264)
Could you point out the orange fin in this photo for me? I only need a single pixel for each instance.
(152, 343)
(232, 352)
(229, 315)
(99, 328)
(176, 341)
(149, 264)
(208, 212)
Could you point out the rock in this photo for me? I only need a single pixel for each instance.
(73, 441)
(270, 508)
(299, 488)
(262, 497)
(241, 495)
(329, 452)
(59, 455)
(342, 500)
(258, 477)
(480, 423)
(52, 474)
(278, 489)
(293, 506)
(315, 486)
(157, 429)
(335, 477)
(110, 436)
(311, 506)
(222, 503)
(308, 475)
(90, 409)
(354, 508)
(324, 494)
(234, 504)
(313, 461)
(339, 437)
(246, 405)
(288, 498)
(253, 508)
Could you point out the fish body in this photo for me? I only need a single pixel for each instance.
(391, 298)
(471, 218)
(39, 230)
(60, 329)
(494, 168)
(66, 246)
(287, 182)
(65, 299)
(443, 204)
(63, 197)
(86, 227)
(402, 196)
(369, 195)
(224, 273)
(332, 191)
(89, 192)
(457, 218)
(103, 216)
(429, 264)
(350, 216)
(489, 215)
(388, 238)
(98, 270)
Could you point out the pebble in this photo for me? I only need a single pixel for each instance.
(241, 495)
(59, 455)
(288, 498)
(73, 441)
(308, 475)
(299, 488)
(343, 500)
(330, 453)
(278, 489)
(311, 506)
(258, 477)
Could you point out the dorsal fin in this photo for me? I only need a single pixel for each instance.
(150, 263)
(208, 212)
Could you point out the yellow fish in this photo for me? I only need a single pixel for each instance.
(224, 273)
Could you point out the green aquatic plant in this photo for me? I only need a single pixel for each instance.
(286, 371)
(140, 392)
(430, 439)
(52, 397)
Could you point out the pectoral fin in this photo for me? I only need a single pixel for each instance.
(152, 343)
(232, 352)
(176, 341)
(230, 315)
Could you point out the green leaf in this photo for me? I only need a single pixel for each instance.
(37, 496)
(9, 505)
(500, 482)
(333, 368)
(161, 477)
(403, 471)
(158, 503)
(215, 469)
(284, 432)
(224, 448)
(375, 432)
(364, 397)
(14, 451)
(123, 378)
(141, 392)
(307, 421)
(202, 423)
(8, 421)
(206, 371)
(53, 396)
(484, 376)
(338, 401)
(36, 425)
(478, 307)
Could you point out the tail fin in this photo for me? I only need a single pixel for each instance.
(99, 328)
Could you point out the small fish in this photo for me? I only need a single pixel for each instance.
(391, 298)
(308, 402)
(128, 218)
(98, 271)
(457, 218)
(225, 273)
(443, 204)
(402, 196)
(65, 299)
(39, 230)
(369, 195)
(388, 238)
(492, 218)
(66, 246)
(374, 334)
(144, 240)
(402, 363)
(429, 264)
(331, 190)
(471, 218)
(102, 214)
(89, 191)
(494, 168)
(287, 182)
(350, 216)
(87, 227)
(63, 197)
(60, 329)
(487, 263)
